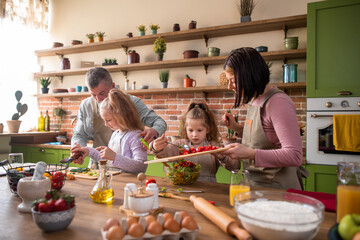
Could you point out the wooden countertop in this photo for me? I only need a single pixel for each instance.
(41, 145)
(30, 134)
(90, 216)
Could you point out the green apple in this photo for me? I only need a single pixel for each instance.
(349, 226)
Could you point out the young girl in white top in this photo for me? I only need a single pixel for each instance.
(198, 128)
(125, 149)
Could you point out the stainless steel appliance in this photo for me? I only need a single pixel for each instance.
(319, 122)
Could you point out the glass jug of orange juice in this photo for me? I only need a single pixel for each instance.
(239, 183)
(348, 189)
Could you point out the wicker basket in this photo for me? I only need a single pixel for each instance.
(223, 80)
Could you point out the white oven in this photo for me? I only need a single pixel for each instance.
(319, 129)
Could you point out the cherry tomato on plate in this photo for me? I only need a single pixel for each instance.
(150, 180)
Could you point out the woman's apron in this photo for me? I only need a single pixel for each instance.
(254, 137)
(102, 133)
(208, 165)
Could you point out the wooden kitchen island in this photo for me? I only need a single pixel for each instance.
(90, 217)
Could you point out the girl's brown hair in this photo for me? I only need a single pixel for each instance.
(123, 110)
(200, 110)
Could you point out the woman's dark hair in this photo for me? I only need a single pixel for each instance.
(200, 110)
(250, 71)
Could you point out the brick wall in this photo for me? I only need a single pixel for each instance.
(170, 107)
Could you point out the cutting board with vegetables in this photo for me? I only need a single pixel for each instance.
(89, 174)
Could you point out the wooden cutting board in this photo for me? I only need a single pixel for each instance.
(178, 157)
(87, 176)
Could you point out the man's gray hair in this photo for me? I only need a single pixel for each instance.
(96, 75)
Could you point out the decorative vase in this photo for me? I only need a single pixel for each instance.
(133, 57)
(13, 125)
(153, 31)
(44, 90)
(100, 39)
(90, 40)
(192, 25)
(159, 56)
(130, 35)
(245, 18)
(164, 84)
(176, 27)
(141, 33)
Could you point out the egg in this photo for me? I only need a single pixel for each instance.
(172, 225)
(183, 214)
(155, 228)
(111, 222)
(149, 219)
(115, 233)
(167, 216)
(189, 223)
(131, 221)
(136, 230)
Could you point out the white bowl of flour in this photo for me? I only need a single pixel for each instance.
(279, 215)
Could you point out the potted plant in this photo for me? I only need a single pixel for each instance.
(90, 37)
(164, 77)
(14, 123)
(154, 28)
(141, 29)
(100, 36)
(45, 82)
(246, 7)
(109, 62)
(159, 48)
(230, 133)
(58, 114)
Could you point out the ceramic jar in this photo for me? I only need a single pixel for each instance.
(192, 25)
(290, 73)
(176, 27)
(64, 64)
(133, 57)
(213, 51)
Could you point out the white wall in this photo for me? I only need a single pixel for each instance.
(73, 19)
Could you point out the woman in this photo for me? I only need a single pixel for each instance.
(271, 147)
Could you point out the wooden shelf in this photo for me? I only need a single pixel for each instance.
(191, 62)
(283, 23)
(204, 89)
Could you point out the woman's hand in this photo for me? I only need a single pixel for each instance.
(160, 143)
(79, 153)
(239, 151)
(106, 153)
(229, 121)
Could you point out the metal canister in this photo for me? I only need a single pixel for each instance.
(289, 73)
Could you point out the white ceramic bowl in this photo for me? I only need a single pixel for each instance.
(53, 221)
(281, 215)
(141, 206)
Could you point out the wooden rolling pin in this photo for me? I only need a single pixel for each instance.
(222, 220)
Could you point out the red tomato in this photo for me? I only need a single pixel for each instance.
(150, 180)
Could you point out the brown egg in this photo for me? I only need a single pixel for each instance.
(155, 228)
(172, 225)
(131, 221)
(189, 223)
(183, 214)
(111, 222)
(115, 233)
(136, 230)
(167, 216)
(149, 219)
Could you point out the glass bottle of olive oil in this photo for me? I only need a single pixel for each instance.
(47, 122)
(41, 122)
(102, 191)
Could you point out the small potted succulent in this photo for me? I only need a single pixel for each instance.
(109, 62)
(21, 109)
(154, 28)
(159, 48)
(141, 29)
(90, 37)
(45, 82)
(100, 36)
(164, 77)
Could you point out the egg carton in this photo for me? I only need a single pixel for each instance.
(184, 233)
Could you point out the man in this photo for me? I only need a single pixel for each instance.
(90, 124)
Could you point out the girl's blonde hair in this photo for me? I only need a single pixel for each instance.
(123, 110)
(200, 110)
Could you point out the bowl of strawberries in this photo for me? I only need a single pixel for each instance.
(54, 212)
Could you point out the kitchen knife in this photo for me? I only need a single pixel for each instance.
(187, 191)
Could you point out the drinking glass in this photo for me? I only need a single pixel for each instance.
(16, 158)
(348, 189)
(239, 183)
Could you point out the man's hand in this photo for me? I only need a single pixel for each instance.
(106, 153)
(79, 153)
(149, 134)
